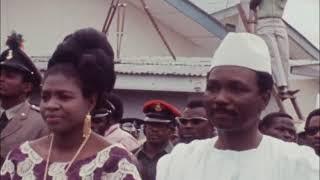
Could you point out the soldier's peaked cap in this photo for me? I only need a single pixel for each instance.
(160, 111)
(15, 58)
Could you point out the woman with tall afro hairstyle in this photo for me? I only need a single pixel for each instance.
(80, 72)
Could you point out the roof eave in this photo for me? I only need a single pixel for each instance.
(200, 16)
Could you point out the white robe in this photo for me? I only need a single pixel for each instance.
(272, 160)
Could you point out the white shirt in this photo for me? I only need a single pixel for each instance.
(272, 160)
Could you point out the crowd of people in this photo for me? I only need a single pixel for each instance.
(79, 132)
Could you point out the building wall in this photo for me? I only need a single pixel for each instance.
(44, 23)
(306, 98)
(168, 83)
(134, 100)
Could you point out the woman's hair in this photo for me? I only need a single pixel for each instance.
(87, 56)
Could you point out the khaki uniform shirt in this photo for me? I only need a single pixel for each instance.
(271, 8)
(25, 124)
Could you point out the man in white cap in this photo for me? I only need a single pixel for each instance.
(239, 85)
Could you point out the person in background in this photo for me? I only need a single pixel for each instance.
(239, 85)
(272, 29)
(19, 120)
(279, 125)
(79, 73)
(301, 139)
(312, 130)
(193, 123)
(174, 137)
(132, 126)
(158, 128)
(106, 118)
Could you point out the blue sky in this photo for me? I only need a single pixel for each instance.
(303, 15)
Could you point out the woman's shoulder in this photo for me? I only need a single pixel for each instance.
(113, 160)
(111, 152)
(21, 152)
(19, 155)
(183, 152)
(117, 152)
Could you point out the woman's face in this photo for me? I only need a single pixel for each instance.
(62, 105)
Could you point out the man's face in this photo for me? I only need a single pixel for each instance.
(232, 99)
(157, 133)
(313, 133)
(281, 128)
(12, 83)
(193, 124)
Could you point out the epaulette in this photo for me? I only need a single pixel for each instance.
(36, 108)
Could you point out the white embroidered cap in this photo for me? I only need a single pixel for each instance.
(244, 50)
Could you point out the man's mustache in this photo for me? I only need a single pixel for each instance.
(221, 110)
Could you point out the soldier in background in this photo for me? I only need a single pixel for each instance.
(158, 128)
(19, 120)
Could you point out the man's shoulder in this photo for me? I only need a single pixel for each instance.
(299, 162)
(124, 135)
(193, 148)
(35, 108)
(34, 113)
(289, 150)
(28, 108)
(28, 112)
(183, 156)
(30, 115)
(278, 144)
(120, 136)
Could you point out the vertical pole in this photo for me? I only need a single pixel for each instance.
(278, 100)
(296, 108)
(110, 15)
(157, 28)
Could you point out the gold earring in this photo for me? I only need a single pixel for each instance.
(87, 126)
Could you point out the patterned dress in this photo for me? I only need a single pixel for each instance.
(111, 163)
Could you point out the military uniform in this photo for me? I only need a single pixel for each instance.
(21, 122)
(156, 111)
(25, 124)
